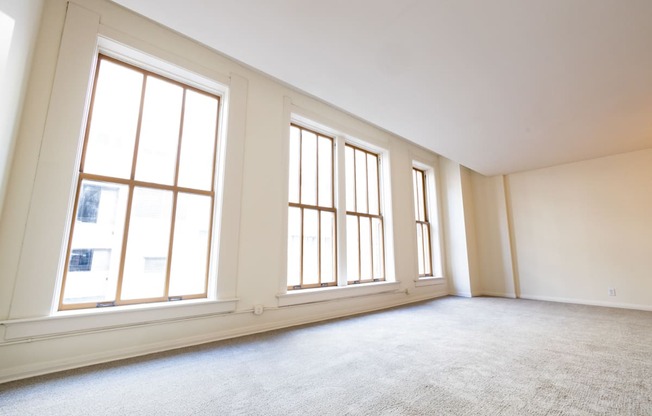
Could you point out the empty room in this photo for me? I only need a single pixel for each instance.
(301, 207)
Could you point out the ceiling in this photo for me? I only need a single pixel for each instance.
(499, 86)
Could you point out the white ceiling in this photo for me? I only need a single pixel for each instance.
(499, 86)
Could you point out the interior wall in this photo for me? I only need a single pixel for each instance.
(492, 235)
(582, 228)
(19, 23)
(32, 341)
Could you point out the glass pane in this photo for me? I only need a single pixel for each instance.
(308, 168)
(416, 193)
(426, 250)
(325, 172)
(361, 181)
(159, 132)
(112, 134)
(350, 179)
(372, 175)
(198, 141)
(378, 248)
(310, 246)
(294, 246)
(420, 198)
(147, 244)
(295, 159)
(365, 249)
(352, 253)
(420, 249)
(189, 266)
(327, 247)
(94, 261)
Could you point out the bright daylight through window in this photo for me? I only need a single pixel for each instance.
(143, 214)
(312, 213)
(424, 252)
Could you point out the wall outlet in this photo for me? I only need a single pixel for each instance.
(258, 309)
(612, 291)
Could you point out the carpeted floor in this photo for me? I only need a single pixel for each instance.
(451, 356)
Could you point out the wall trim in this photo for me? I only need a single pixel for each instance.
(40, 368)
(588, 302)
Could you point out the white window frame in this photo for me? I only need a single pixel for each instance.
(429, 167)
(343, 134)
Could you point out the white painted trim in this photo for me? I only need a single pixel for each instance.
(429, 281)
(588, 302)
(338, 292)
(499, 295)
(88, 320)
(40, 368)
(462, 294)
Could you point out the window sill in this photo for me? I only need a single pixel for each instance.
(298, 297)
(429, 281)
(68, 322)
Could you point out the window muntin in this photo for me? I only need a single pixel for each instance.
(145, 190)
(364, 221)
(312, 246)
(421, 214)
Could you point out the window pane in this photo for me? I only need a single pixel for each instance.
(372, 175)
(420, 198)
(198, 141)
(310, 247)
(294, 246)
(325, 172)
(308, 168)
(110, 147)
(295, 159)
(188, 271)
(94, 261)
(352, 253)
(420, 261)
(426, 250)
(159, 132)
(365, 249)
(327, 247)
(378, 248)
(350, 179)
(361, 181)
(147, 244)
(415, 185)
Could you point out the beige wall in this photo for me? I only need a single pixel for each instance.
(251, 266)
(584, 227)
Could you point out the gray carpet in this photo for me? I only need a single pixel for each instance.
(451, 356)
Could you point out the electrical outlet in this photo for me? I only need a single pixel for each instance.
(258, 309)
(612, 291)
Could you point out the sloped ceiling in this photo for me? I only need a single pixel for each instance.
(499, 86)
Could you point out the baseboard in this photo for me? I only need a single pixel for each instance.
(462, 294)
(587, 302)
(47, 367)
(499, 295)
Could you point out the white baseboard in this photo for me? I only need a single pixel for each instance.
(46, 367)
(499, 295)
(588, 302)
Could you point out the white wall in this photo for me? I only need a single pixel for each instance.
(19, 23)
(251, 263)
(492, 236)
(584, 227)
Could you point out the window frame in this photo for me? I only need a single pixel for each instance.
(146, 70)
(423, 223)
(429, 166)
(373, 142)
(317, 207)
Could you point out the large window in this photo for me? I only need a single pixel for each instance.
(312, 248)
(364, 222)
(421, 214)
(143, 212)
(314, 208)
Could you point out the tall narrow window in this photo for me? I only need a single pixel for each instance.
(424, 252)
(145, 194)
(311, 213)
(364, 220)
